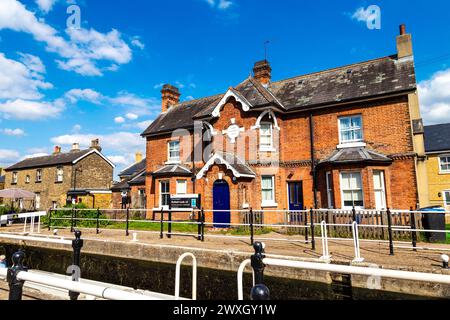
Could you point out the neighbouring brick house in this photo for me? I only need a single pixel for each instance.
(83, 175)
(437, 146)
(2, 179)
(132, 183)
(344, 137)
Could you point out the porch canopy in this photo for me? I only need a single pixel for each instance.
(17, 194)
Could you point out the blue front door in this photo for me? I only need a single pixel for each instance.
(221, 204)
(295, 196)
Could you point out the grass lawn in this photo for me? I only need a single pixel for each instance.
(447, 227)
(150, 226)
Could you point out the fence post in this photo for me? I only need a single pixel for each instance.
(391, 243)
(77, 244)
(413, 227)
(199, 226)
(252, 230)
(259, 291)
(305, 214)
(169, 225)
(71, 224)
(49, 219)
(16, 285)
(203, 225)
(98, 222)
(313, 241)
(161, 235)
(127, 233)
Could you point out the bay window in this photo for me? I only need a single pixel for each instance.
(352, 191)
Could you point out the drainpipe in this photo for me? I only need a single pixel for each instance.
(194, 180)
(313, 158)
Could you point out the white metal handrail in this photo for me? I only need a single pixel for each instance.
(194, 275)
(326, 255)
(38, 239)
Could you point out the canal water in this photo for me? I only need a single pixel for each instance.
(211, 284)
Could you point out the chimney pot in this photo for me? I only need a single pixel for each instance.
(170, 96)
(262, 72)
(57, 150)
(404, 43)
(138, 157)
(75, 147)
(95, 144)
(402, 29)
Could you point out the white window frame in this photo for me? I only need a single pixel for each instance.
(171, 160)
(182, 183)
(383, 187)
(38, 201)
(27, 179)
(342, 190)
(39, 175)
(266, 148)
(59, 174)
(161, 194)
(351, 143)
(445, 201)
(330, 190)
(268, 203)
(441, 163)
(15, 177)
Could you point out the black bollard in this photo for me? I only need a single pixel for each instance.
(259, 291)
(77, 244)
(16, 285)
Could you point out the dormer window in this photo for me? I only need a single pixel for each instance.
(266, 136)
(350, 130)
(174, 152)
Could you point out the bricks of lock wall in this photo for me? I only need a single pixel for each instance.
(49, 189)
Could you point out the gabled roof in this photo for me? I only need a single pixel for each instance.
(356, 155)
(138, 179)
(360, 81)
(118, 187)
(437, 138)
(133, 169)
(56, 159)
(232, 162)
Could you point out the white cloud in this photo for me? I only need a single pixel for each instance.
(8, 157)
(45, 5)
(158, 86)
(89, 95)
(136, 41)
(119, 142)
(120, 160)
(22, 80)
(434, 97)
(144, 124)
(220, 4)
(14, 132)
(76, 128)
(30, 110)
(81, 52)
(131, 116)
(34, 155)
(119, 120)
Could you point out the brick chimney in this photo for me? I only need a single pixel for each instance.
(138, 157)
(170, 96)
(404, 43)
(95, 144)
(262, 72)
(75, 147)
(57, 150)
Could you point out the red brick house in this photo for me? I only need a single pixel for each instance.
(349, 136)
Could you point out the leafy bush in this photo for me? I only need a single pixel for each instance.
(63, 218)
(5, 209)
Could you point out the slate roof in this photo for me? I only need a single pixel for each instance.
(356, 155)
(236, 163)
(172, 170)
(437, 138)
(138, 179)
(135, 168)
(369, 79)
(49, 161)
(118, 187)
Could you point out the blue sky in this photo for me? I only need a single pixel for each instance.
(59, 86)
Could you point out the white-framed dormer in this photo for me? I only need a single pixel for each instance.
(239, 98)
(351, 134)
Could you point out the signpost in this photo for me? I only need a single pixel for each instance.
(185, 202)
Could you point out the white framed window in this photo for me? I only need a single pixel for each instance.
(352, 191)
(39, 175)
(447, 198)
(350, 129)
(181, 187)
(330, 193)
(59, 174)
(27, 179)
(174, 151)
(268, 191)
(38, 201)
(444, 164)
(379, 189)
(14, 177)
(266, 136)
(164, 188)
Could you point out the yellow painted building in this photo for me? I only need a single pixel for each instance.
(437, 144)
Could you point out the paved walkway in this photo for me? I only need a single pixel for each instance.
(373, 252)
